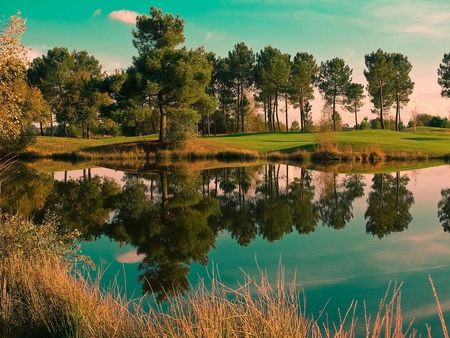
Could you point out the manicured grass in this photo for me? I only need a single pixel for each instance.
(356, 146)
(66, 145)
(431, 143)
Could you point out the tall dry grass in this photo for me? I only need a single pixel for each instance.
(44, 294)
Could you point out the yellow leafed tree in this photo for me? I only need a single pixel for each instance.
(13, 63)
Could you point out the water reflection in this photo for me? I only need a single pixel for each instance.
(444, 209)
(173, 216)
(388, 205)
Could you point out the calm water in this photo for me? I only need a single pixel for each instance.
(347, 236)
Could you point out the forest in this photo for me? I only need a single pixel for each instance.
(178, 93)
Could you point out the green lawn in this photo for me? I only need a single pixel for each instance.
(433, 142)
(423, 140)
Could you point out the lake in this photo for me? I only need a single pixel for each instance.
(345, 236)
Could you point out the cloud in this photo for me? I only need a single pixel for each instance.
(429, 31)
(124, 15)
(36, 51)
(421, 17)
(97, 12)
(209, 35)
(129, 257)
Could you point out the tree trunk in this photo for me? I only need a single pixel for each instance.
(286, 109)
(242, 108)
(276, 110)
(162, 119)
(302, 111)
(153, 124)
(334, 113)
(381, 108)
(356, 116)
(238, 106)
(397, 113)
(41, 128)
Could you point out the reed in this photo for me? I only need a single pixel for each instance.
(44, 294)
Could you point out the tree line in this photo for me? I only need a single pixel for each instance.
(177, 92)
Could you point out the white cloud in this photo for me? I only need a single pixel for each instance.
(37, 51)
(424, 30)
(129, 257)
(209, 35)
(124, 15)
(423, 18)
(97, 12)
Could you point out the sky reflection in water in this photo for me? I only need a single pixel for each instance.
(332, 265)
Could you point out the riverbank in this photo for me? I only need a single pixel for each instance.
(353, 146)
(44, 294)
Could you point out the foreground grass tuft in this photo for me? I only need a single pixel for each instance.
(44, 295)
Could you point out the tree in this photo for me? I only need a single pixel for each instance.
(50, 73)
(380, 73)
(333, 80)
(354, 97)
(271, 76)
(12, 69)
(174, 79)
(444, 75)
(403, 86)
(241, 61)
(303, 70)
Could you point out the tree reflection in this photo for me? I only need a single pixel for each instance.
(25, 193)
(305, 213)
(336, 199)
(444, 209)
(84, 204)
(388, 205)
(170, 231)
(272, 210)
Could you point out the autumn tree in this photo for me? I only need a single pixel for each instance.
(12, 69)
(333, 79)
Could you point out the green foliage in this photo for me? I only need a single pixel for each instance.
(70, 82)
(240, 63)
(20, 238)
(272, 73)
(169, 78)
(353, 101)
(333, 79)
(388, 205)
(444, 75)
(157, 31)
(364, 125)
(294, 126)
(303, 72)
(182, 126)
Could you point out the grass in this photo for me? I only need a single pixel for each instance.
(357, 146)
(43, 295)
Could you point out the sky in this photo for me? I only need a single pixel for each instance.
(348, 29)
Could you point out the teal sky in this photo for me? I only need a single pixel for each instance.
(348, 29)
